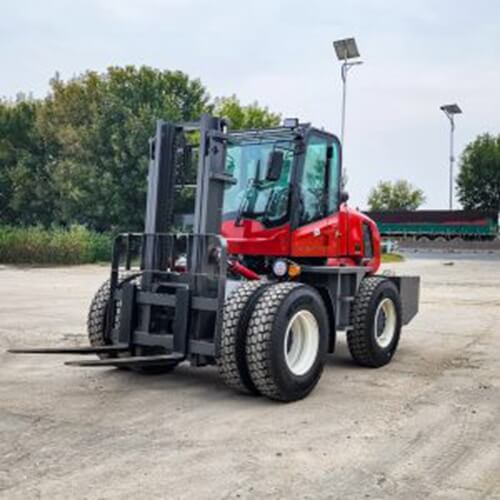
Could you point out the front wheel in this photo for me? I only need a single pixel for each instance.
(376, 322)
(97, 325)
(232, 360)
(287, 339)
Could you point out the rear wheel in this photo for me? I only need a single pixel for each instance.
(97, 326)
(376, 317)
(287, 340)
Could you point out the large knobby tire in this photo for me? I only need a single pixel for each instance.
(97, 319)
(376, 322)
(96, 327)
(287, 340)
(231, 360)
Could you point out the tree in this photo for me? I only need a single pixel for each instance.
(25, 188)
(400, 195)
(98, 126)
(478, 182)
(244, 117)
(81, 155)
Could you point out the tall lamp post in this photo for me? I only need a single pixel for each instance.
(346, 50)
(450, 110)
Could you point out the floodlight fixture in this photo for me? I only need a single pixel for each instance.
(291, 122)
(346, 49)
(451, 109)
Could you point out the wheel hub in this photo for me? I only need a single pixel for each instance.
(385, 322)
(301, 342)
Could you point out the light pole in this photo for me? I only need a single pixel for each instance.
(450, 110)
(346, 50)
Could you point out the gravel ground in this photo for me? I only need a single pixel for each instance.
(427, 425)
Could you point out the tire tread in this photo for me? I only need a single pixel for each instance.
(357, 340)
(259, 339)
(227, 361)
(96, 317)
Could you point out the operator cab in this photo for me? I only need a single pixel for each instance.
(286, 200)
(267, 164)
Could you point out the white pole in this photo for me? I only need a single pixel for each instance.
(346, 66)
(343, 74)
(452, 159)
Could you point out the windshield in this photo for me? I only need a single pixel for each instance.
(253, 196)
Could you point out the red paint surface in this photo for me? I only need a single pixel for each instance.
(238, 268)
(338, 237)
(252, 238)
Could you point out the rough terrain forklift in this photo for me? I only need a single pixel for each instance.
(276, 265)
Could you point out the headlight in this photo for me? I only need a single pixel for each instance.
(280, 268)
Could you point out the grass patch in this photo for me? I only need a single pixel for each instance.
(36, 245)
(76, 245)
(389, 258)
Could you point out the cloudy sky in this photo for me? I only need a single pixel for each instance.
(417, 55)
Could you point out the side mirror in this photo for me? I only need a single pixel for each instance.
(274, 166)
(344, 196)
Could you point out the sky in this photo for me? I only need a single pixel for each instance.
(416, 56)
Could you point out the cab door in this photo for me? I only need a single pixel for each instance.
(333, 215)
(315, 234)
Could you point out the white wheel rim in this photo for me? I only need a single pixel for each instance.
(385, 323)
(301, 342)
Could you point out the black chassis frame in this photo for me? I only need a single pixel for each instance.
(338, 286)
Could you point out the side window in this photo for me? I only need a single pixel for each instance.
(367, 241)
(333, 178)
(312, 185)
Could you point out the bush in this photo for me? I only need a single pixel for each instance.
(391, 258)
(35, 245)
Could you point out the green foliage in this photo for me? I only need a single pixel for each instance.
(392, 258)
(24, 183)
(80, 155)
(99, 127)
(244, 117)
(400, 195)
(478, 182)
(35, 245)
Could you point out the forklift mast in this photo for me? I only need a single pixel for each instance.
(162, 183)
